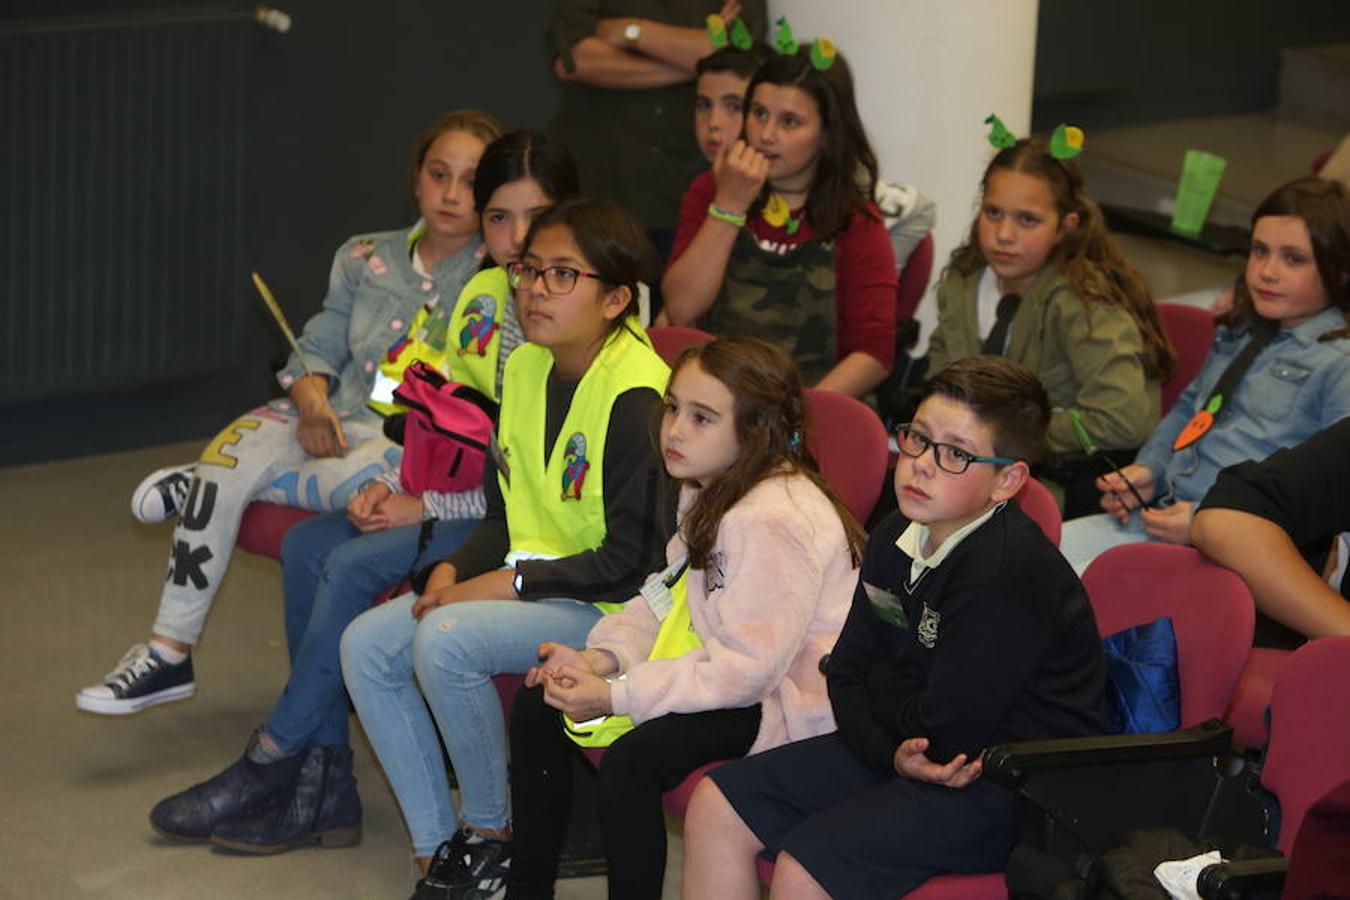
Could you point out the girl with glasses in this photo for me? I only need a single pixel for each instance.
(334, 566)
(577, 515)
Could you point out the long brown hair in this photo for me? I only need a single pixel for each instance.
(770, 412)
(1086, 255)
(1324, 207)
(846, 173)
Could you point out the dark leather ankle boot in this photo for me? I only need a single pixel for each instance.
(321, 808)
(244, 789)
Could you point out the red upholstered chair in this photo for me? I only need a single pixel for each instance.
(671, 340)
(1307, 766)
(1309, 752)
(264, 524)
(913, 280)
(848, 440)
(1247, 712)
(1040, 506)
(1211, 609)
(1191, 331)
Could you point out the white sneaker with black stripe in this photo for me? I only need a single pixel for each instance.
(140, 680)
(160, 496)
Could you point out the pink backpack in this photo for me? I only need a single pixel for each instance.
(445, 432)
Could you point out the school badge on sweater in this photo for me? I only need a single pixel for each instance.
(927, 632)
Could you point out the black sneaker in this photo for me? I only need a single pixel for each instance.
(469, 866)
(141, 679)
(161, 494)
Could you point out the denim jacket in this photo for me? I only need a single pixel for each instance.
(373, 294)
(1294, 388)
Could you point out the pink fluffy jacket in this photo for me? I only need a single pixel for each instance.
(769, 605)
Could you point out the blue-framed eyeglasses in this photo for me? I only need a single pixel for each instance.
(950, 458)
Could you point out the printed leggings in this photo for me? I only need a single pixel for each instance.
(255, 457)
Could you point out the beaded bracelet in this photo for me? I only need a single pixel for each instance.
(726, 215)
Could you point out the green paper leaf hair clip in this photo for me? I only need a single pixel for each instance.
(1066, 142)
(783, 41)
(721, 33)
(717, 31)
(740, 35)
(823, 53)
(999, 135)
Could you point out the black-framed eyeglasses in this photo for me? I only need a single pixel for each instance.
(557, 279)
(950, 458)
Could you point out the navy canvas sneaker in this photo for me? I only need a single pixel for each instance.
(161, 494)
(141, 679)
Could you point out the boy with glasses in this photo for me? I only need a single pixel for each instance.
(968, 629)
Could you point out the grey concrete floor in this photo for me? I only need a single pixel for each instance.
(79, 580)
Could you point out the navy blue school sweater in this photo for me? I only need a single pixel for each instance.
(997, 643)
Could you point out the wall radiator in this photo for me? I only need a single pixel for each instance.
(121, 204)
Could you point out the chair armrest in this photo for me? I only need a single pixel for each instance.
(1007, 764)
(1246, 879)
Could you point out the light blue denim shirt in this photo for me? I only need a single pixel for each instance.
(1294, 388)
(373, 294)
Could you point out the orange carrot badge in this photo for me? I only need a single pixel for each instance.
(1200, 423)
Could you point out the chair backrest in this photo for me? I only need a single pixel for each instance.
(1191, 331)
(849, 442)
(1211, 610)
(1040, 506)
(1309, 750)
(671, 340)
(913, 281)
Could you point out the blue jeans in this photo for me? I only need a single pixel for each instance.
(452, 655)
(332, 573)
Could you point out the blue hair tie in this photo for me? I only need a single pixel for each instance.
(795, 441)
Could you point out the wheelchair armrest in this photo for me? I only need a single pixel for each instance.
(1246, 879)
(1008, 764)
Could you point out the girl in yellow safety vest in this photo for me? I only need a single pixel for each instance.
(577, 514)
(727, 661)
(335, 565)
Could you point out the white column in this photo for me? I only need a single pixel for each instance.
(927, 72)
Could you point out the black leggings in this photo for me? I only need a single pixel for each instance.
(635, 771)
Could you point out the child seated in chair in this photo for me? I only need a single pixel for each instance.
(968, 629)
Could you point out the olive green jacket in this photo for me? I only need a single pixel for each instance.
(1089, 357)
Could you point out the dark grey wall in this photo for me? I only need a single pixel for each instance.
(1120, 62)
(333, 108)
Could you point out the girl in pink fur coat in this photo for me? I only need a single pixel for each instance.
(762, 568)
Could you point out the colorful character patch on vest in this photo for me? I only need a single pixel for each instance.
(481, 325)
(574, 476)
(396, 349)
(434, 327)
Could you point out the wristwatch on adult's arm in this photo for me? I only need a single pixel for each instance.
(518, 582)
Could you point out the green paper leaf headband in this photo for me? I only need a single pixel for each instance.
(823, 52)
(720, 34)
(1065, 143)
